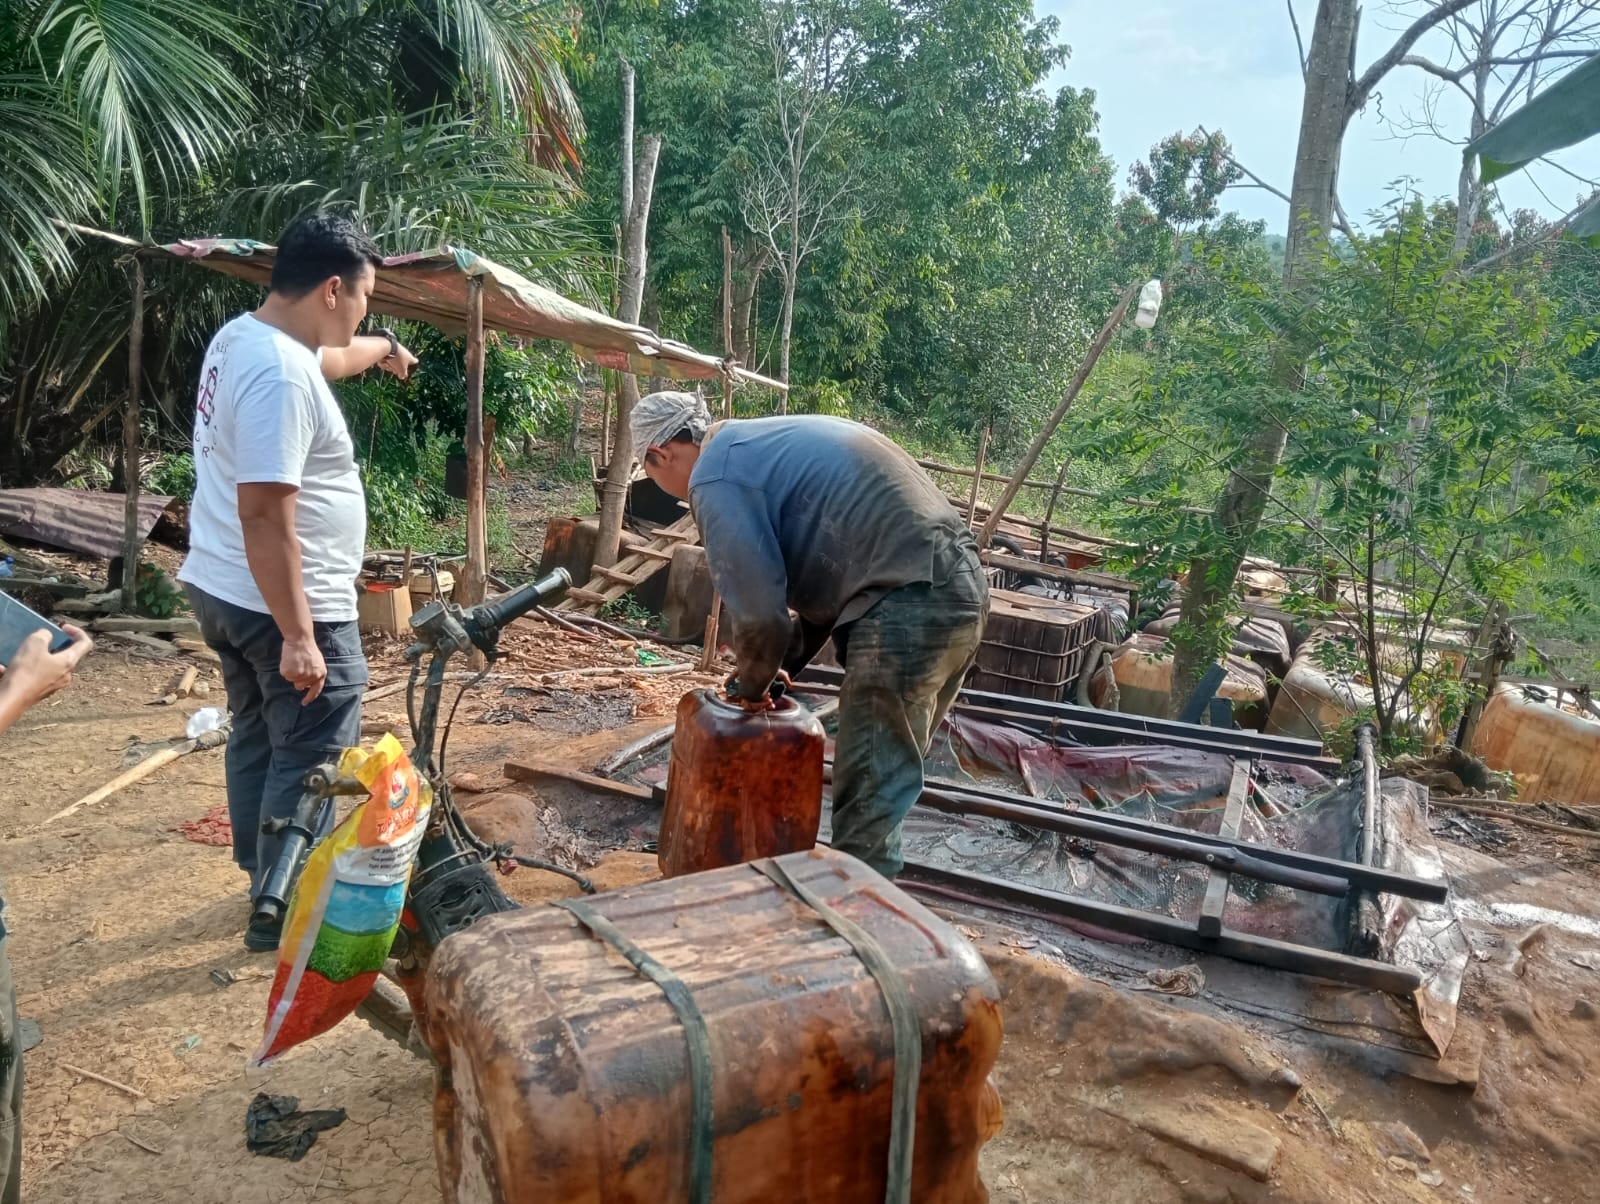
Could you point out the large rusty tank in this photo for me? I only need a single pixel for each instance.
(567, 1074)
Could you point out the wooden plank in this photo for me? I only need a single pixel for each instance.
(1210, 923)
(533, 771)
(1050, 572)
(173, 625)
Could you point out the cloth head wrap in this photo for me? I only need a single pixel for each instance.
(657, 417)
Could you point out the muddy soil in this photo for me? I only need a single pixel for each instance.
(1112, 1094)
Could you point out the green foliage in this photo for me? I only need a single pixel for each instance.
(396, 425)
(433, 120)
(155, 594)
(172, 475)
(1434, 400)
(629, 612)
(967, 267)
(403, 510)
(1185, 177)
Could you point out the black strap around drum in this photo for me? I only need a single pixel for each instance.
(903, 1020)
(694, 1031)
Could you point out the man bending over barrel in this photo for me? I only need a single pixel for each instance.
(831, 520)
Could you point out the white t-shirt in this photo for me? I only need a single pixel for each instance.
(264, 414)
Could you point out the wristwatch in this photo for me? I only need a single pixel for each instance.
(394, 343)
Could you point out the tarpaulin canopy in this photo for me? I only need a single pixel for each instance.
(432, 286)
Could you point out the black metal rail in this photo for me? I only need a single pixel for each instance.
(987, 890)
(1179, 849)
(1108, 824)
(1091, 726)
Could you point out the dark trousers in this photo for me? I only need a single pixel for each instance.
(276, 737)
(904, 661)
(10, 1084)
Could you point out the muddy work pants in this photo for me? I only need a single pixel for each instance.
(904, 662)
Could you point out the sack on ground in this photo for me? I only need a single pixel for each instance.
(344, 910)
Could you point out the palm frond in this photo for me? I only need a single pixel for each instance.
(518, 50)
(42, 177)
(417, 184)
(148, 85)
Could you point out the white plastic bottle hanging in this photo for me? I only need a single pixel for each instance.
(1149, 305)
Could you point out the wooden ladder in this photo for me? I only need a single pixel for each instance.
(637, 564)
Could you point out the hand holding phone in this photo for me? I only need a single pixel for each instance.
(37, 672)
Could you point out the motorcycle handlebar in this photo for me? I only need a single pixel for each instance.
(496, 613)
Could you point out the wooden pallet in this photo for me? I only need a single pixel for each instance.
(637, 564)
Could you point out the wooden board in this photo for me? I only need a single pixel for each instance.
(1050, 572)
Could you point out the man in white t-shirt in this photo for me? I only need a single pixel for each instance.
(278, 526)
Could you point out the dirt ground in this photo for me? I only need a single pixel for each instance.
(1112, 1093)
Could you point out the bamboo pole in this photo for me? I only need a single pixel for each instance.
(1050, 509)
(139, 772)
(977, 477)
(475, 577)
(1031, 456)
(708, 650)
(130, 445)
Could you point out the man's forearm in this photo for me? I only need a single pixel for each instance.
(272, 550)
(365, 351)
(759, 647)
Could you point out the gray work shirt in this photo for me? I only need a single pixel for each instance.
(820, 515)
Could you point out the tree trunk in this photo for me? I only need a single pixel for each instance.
(650, 316)
(474, 584)
(130, 445)
(791, 270)
(619, 470)
(1324, 114)
(751, 263)
(790, 278)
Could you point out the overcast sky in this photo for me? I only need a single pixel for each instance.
(1163, 66)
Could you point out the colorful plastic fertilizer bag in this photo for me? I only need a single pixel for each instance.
(346, 906)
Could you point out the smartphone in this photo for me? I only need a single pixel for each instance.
(17, 623)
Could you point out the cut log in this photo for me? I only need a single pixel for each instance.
(173, 625)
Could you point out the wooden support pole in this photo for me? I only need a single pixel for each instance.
(708, 649)
(977, 478)
(475, 582)
(1050, 509)
(130, 445)
(1031, 457)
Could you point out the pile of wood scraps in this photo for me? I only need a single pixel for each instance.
(46, 583)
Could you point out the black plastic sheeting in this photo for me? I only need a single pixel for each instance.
(1182, 787)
